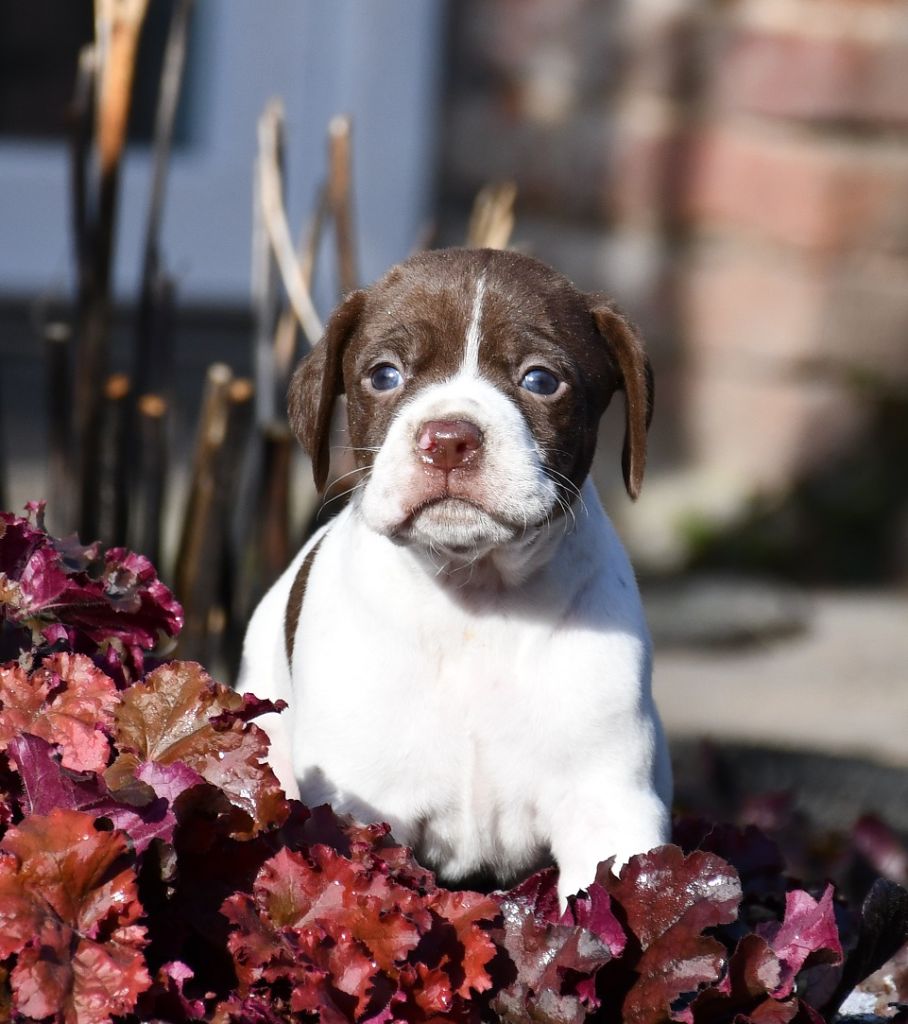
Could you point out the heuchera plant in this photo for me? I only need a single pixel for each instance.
(152, 869)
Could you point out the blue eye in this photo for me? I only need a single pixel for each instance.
(386, 377)
(540, 382)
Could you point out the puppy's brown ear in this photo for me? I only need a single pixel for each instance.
(317, 382)
(635, 378)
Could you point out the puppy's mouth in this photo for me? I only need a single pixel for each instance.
(455, 524)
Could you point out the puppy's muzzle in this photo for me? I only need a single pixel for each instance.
(448, 444)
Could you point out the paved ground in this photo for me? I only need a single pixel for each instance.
(840, 686)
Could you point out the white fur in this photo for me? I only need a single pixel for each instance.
(474, 335)
(478, 677)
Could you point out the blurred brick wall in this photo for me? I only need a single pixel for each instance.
(736, 174)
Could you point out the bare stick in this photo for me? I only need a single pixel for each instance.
(265, 282)
(118, 24)
(240, 396)
(151, 476)
(275, 220)
(113, 502)
(165, 118)
(57, 342)
(311, 239)
(492, 217)
(80, 118)
(340, 192)
(285, 336)
(196, 572)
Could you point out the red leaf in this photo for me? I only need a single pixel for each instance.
(669, 900)
(475, 949)
(176, 715)
(82, 960)
(555, 964)
(68, 701)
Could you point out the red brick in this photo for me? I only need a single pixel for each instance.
(752, 313)
(647, 177)
(747, 312)
(801, 190)
(816, 77)
(766, 430)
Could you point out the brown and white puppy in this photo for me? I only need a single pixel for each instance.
(463, 649)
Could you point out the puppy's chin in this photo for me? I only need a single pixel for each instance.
(456, 527)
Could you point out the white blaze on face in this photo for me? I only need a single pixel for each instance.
(506, 489)
(470, 363)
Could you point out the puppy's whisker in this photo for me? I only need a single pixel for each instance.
(343, 494)
(343, 476)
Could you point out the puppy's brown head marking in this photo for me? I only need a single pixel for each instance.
(558, 354)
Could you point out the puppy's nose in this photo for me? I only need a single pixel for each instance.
(448, 444)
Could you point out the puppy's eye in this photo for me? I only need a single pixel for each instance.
(386, 377)
(540, 381)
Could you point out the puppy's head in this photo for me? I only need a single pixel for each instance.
(475, 381)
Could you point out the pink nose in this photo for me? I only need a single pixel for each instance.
(448, 444)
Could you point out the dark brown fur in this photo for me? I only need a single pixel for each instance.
(295, 601)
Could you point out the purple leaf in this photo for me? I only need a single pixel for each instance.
(807, 935)
(47, 785)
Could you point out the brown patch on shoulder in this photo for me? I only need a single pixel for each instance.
(295, 601)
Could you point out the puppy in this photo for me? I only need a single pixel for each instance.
(463, 648)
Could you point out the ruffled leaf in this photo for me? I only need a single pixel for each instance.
(178, 715)
(68, 702)
(669, 900)
(69, 910)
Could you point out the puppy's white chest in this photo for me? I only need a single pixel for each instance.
(431, 725)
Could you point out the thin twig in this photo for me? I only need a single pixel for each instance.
(118, 24)
(57, 360)
(311, 238)
(285, 337)
(80, 119)
(151, 476)
(492, 217)
(196, 570)
(113, 503)
(275, 220)
(165, 119)
(340, 192)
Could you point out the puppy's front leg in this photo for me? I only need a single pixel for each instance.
(602, 818)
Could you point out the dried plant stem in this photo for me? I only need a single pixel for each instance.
(113, 504)
(80, 119)
(285, 337)
(118, 24)
(57, 360)
(492, 217)
(221, 440)
(151, 476)
(195, 570)
(147, 339)
(275, 220)
(340, 193)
